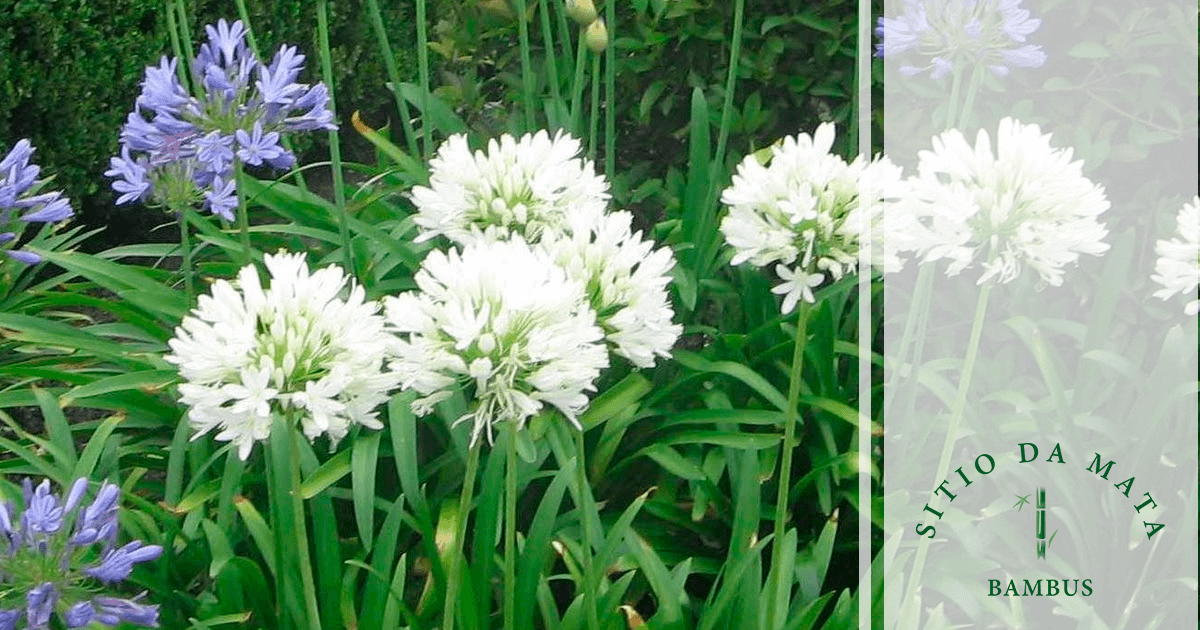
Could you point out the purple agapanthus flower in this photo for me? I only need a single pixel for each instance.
(47, 567)
(112, 611)
(21, 204)
(937, 35)
(178, 149)
(9, 618)
(79, 615)
(116, 564)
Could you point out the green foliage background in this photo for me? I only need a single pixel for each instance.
(68, 84)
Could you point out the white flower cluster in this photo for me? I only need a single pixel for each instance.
(501, 317)
(248, 352)
(540, 280)
(802, 211)
(1178, 266)
(518, 187)
(1026, 204)
(625, 281)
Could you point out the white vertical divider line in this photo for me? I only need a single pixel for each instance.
(865, 241)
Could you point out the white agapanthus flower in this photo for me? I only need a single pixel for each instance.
(1025, 204)
(502, 319)
(1178, 265)
(802, 211)
(247, 352)
(625, 279)
(518, 187)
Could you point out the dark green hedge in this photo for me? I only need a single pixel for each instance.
(70, 71)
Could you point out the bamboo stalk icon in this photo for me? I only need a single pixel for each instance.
(1041, 523)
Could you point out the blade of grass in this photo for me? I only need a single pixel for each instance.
(362, 476)
(537, 549)
(382, 556)
(57, 429)
(231, 482)
(395, 591)
(260, 533)
(327, 474)
(91, 453)
(393, 73)
(176, 455)
(487, 526)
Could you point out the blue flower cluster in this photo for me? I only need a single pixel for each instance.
(178, 150)
(48, 564)
(945, 32)
(19, 178)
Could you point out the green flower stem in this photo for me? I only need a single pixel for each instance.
(393, 73)
(976, 80)
(551, 61)
(423, 69)
(176, 47)
(610, 90)
(577, 89)
(285, 140)
(335, 146)
(564, 33)
(186, 31)
(292, 559)
(956, 413)
(185, 246)
(586, 508)
(709, 246)
(510, 529)
(454, 578)
(914, 328)
(527, 87)
(242, 213)
(777, 588)
(594, 120)
(244, 16)
(952, 106)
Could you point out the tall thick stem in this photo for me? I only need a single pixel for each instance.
(590, 583)
(778, 587)
(185, 245)
(956, 414)
(243, 217)
(510, 530)
(454, 578)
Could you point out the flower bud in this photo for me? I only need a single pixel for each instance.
(597, 36)
(582, 11)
